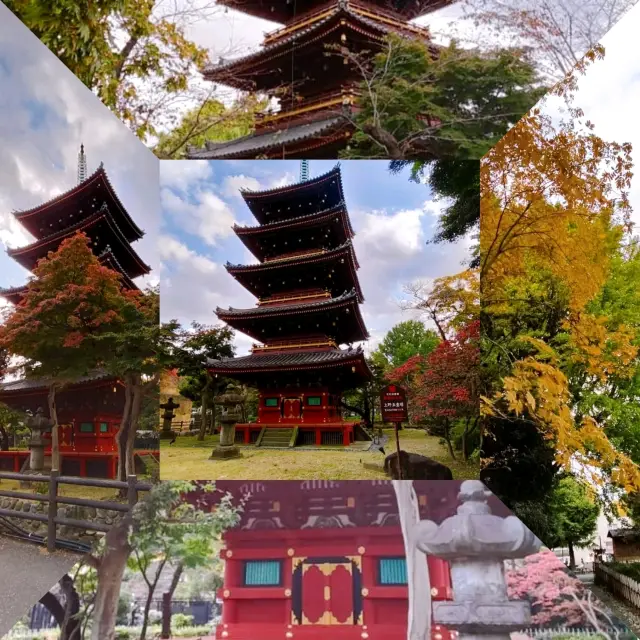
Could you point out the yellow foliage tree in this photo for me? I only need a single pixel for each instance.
(554, 198)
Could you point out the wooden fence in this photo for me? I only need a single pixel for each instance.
(619, 585)
(555, 632)
(54, 480)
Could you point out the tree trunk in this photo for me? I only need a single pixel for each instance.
(4, 439)
(447, 437)
(55, 443)
(121, 434)
(65, 617)
(147, 605)
(175, 580)
(110, 571)
(572, 557)
(204, 401)
(132, 426)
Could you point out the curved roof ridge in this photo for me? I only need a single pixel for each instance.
(323, 176)
(99, 172)
(241, 228)
(283, 307)
(275, 264)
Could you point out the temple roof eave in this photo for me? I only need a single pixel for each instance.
(102, 213)
(233, 72)
(293, 361)
(134, 232)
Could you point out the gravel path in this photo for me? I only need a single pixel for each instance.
(28, 571)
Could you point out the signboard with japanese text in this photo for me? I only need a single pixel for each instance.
(393, 402)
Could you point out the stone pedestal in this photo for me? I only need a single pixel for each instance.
(232, 404)
(38, 424)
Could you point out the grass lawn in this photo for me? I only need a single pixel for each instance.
(188, 459)
(69, 490)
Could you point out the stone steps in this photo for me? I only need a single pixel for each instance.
(276, 437)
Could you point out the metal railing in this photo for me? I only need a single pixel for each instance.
(54, 499)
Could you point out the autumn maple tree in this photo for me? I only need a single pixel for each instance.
(71, 303)
(555, 222)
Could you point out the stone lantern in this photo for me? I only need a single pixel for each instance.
(167, 418)
(476, 543)
(232, 404)
(38, 424)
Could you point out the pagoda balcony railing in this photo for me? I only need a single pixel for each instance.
(337, 100)
(310, 18)
(299, 343)
(295, 297)
(295, 255)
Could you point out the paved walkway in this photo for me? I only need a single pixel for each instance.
(28, 572)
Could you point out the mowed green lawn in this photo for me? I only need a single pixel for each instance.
(188, 459)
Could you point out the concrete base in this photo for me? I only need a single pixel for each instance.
(25, 484)
(168, 435)
(223, 453)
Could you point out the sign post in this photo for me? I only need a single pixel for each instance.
(393, 406)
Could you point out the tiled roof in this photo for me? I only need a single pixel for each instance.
(262, 143)
(279, 361)
(284, 309)
(27, 384)
(98, 173)
(306, 35)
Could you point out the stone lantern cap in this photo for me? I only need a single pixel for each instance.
(475, 532)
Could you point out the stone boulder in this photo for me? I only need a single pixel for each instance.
(416, 467)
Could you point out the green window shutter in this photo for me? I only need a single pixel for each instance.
(104, 427)
(314, 401)
(393, 571)
(86, 427)
(263, 573)
(271, 402)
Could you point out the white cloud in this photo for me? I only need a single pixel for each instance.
(232, 185)
(209, 217)
(179, 175)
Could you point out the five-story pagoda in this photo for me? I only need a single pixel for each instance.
(308, 305)
(306, 65)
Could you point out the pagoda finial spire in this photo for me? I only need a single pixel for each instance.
(304, 170)
(82, 165)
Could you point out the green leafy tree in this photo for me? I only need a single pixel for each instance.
(574, 515)
(210, 121)
(190, 351)
(133, 54)
(172, 525)
(458, 104)
(11, 425)
(405, 340)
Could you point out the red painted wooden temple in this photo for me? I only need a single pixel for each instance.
(303, 65)
(324, 559)
(88, 412)
(308, 305)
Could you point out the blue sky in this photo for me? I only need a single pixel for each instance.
(45, 113)
(393, 219)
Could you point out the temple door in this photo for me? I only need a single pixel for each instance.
(292, 409)
(323, 592)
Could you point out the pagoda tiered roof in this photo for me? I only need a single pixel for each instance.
(339, 318)
(350, 362)
(343, 22)
(107, 259)
(274, 238)
(77, 204)
(285, 11)
(295, 200)
(104, 232)
(333, 268)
